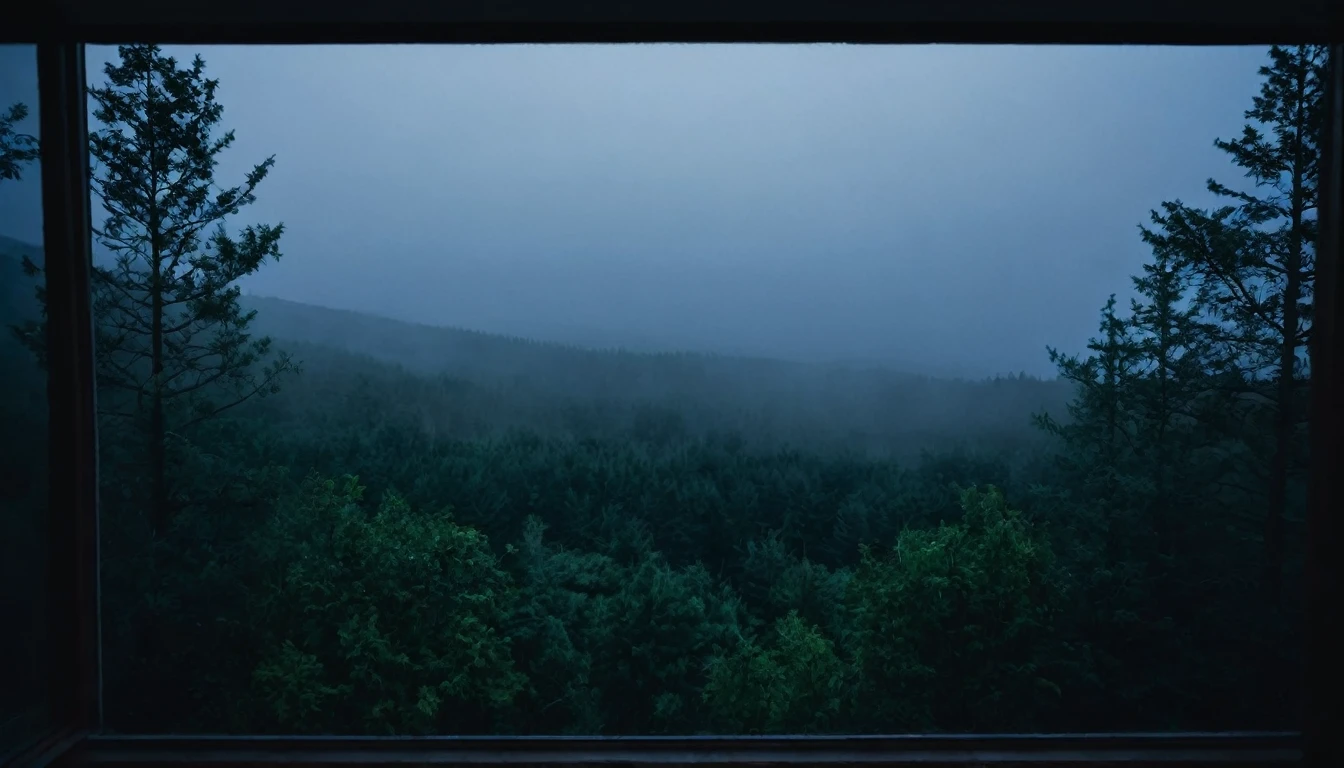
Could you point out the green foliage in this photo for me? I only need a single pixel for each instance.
(794, 683)
(973, 602)
(382, 621)
(653, 640)
(1187, 440)
(775, 582)
(562, 602)
(16, 149)
(1252, 266)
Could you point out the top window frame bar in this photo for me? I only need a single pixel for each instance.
(62, 27)
(1204, 22)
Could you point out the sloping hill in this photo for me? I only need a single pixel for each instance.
(797, 401)
(16, 289)
(511, 382)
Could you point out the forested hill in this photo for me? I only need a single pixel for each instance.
(799, 402)
(469, 382)
(16, 289)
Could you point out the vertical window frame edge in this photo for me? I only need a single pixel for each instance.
(1322, 638)
(72, 515)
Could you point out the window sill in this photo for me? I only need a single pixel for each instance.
(1068, 749)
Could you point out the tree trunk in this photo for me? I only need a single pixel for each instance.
(157, 448)
(1285, 416)
(1162, 505)
(158, 459)
(1278, 491)
(1284, 422)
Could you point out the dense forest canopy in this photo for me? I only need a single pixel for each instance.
(322, 521)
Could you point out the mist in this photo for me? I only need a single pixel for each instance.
(947, 210)
(636, 390)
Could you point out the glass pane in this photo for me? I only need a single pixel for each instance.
(703, 389)
(23, 407)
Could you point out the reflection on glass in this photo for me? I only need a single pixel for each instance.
(23, 407)
(703, 389)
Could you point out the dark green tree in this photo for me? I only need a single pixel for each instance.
(562, 596)
(791, 682)
(381, 621)
(1254, 264)
(1172, 395)
(16, 149)
(173, 341)
(653, 640)
(1100, 429)
(973, 601)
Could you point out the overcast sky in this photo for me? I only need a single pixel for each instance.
(946, 208)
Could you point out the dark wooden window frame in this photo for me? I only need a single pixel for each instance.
(62, 27)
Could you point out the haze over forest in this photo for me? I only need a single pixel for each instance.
(680, 389)
(946, 210)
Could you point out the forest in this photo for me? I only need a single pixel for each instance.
(319, 521)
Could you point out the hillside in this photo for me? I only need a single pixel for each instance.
(800, 402)
(16, 290)
(532, 384)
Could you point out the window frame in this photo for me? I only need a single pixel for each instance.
(63, 27)
(1261, 749)
(71, 606)
(1226, 22)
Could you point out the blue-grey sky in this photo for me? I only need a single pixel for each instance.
(951, 209)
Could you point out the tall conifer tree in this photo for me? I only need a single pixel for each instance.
(173, 341)
(1254, 264)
